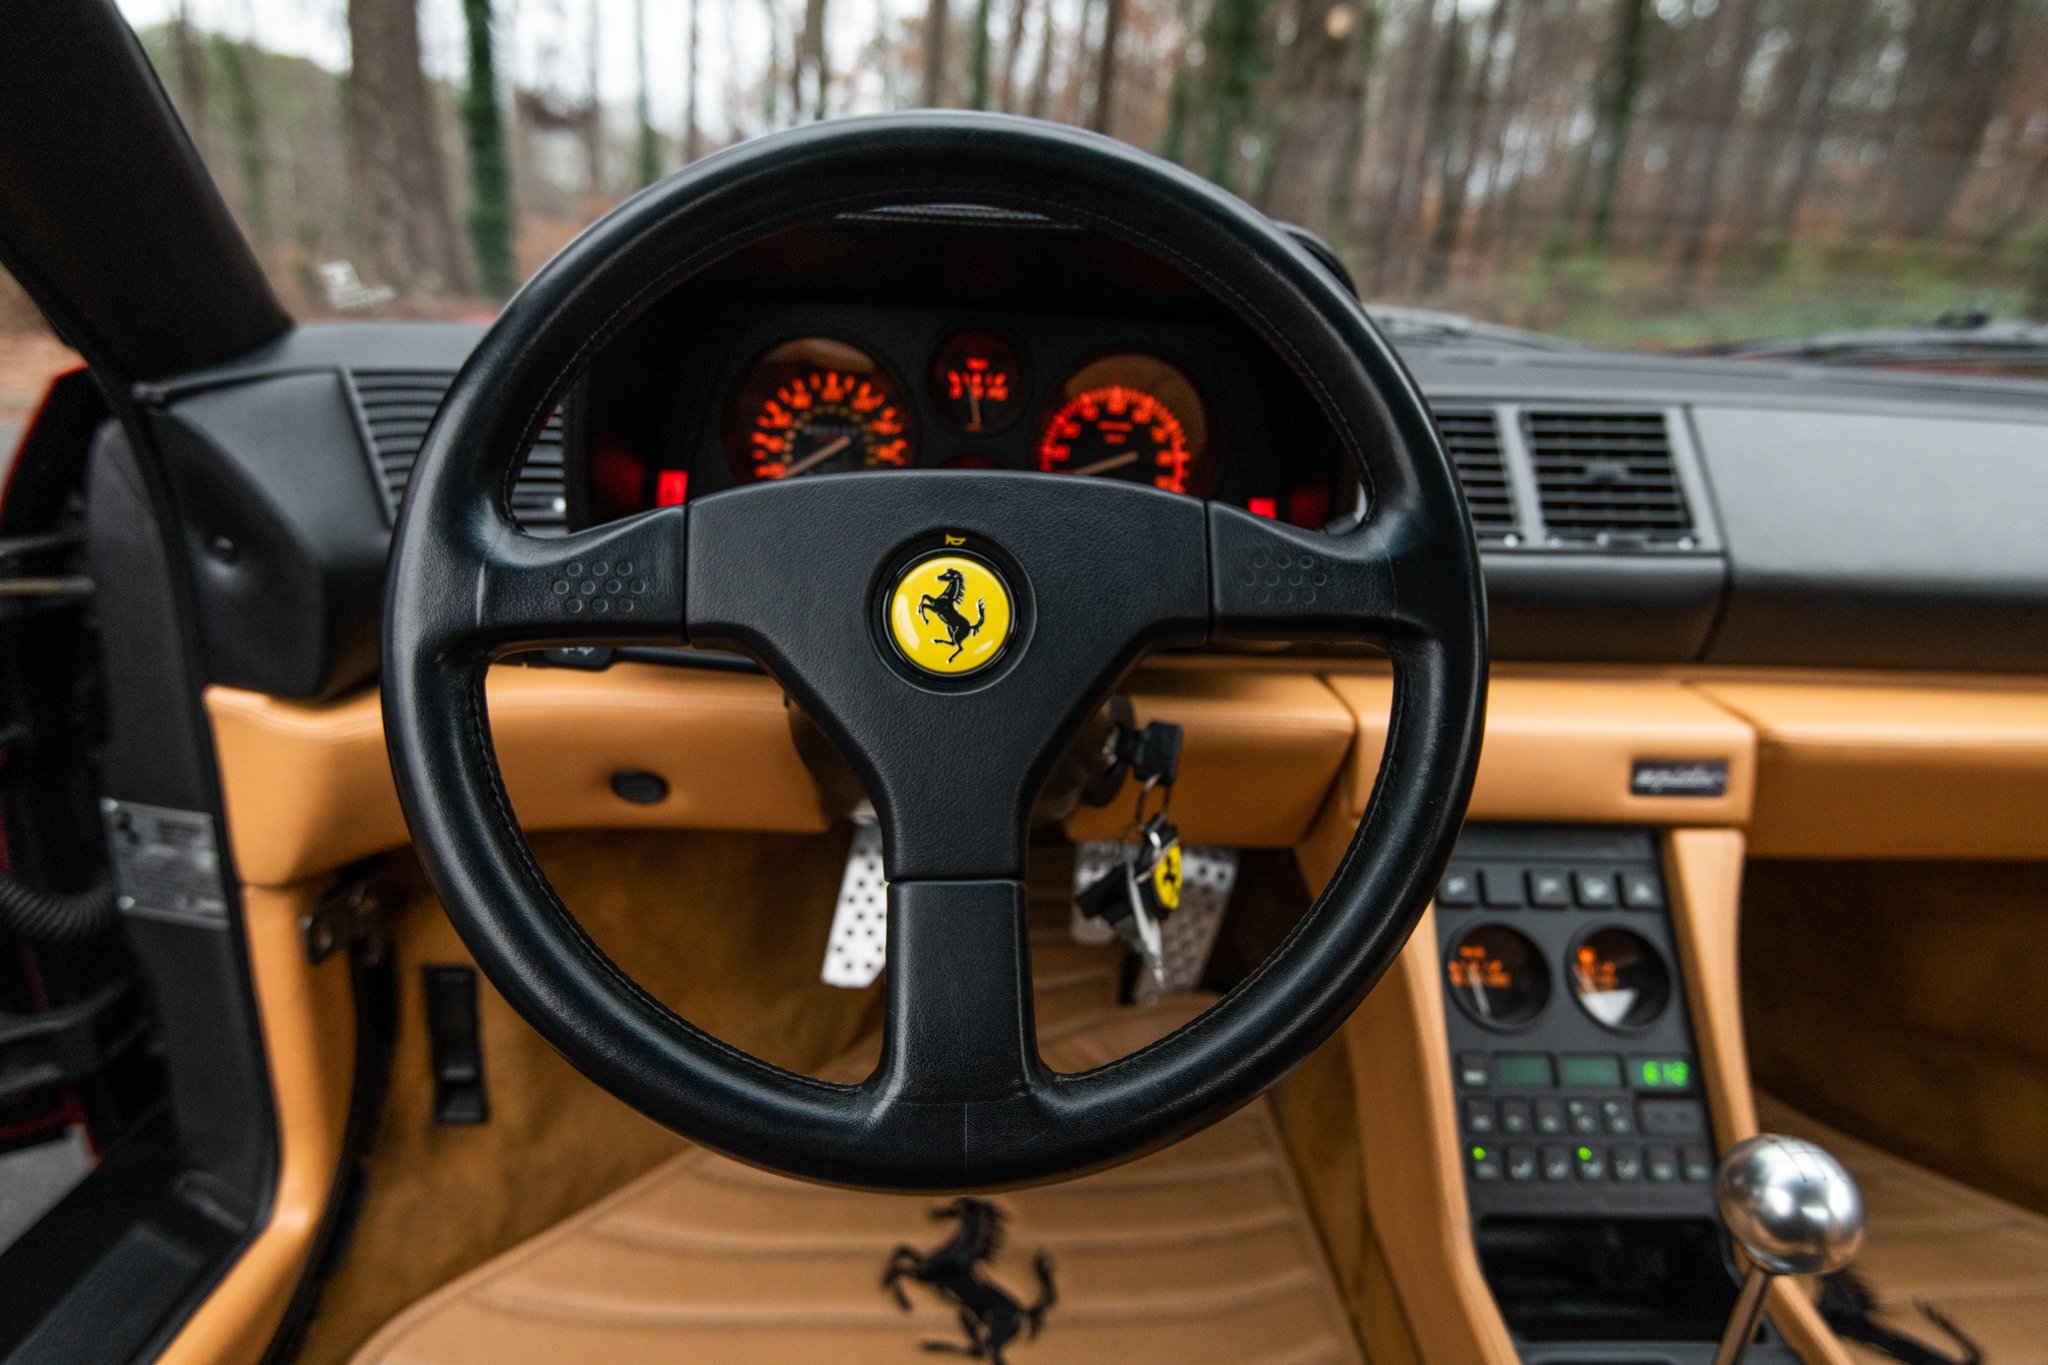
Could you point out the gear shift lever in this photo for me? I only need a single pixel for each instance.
(1794, 1210)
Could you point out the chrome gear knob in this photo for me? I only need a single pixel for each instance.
(1794, 1209)
(1790, 1205)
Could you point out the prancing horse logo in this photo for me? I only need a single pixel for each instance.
(945, 604)
(950, 613)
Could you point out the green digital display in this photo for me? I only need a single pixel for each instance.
(1522, 1068)
(1660, 1073)
(1598, 1069)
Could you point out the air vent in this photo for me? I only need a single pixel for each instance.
(1607, 479)
(398, 405)
(1472, 438)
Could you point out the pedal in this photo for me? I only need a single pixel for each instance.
(1187, 936)
(858, 945)
(1208, 876)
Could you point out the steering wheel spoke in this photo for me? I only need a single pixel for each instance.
(621, 581)
(958, 1028)
(1272, 581)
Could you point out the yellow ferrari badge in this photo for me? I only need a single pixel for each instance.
(951, 614)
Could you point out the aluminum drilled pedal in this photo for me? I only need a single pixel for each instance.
(858, 946)
(1188, 935)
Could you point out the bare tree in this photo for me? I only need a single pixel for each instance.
(1622, 85)
(1041, 78)
(1102, 110)
(192, 83)
(405, 219)
(810, 60)
(1460, 155)
(934, 53)
(1717, 117)
(1957, 54)
(1323, 78)
(1013, 52)
(692, 148)
(593, 113)
(978, 56)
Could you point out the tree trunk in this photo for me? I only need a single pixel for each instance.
(593, 112)
(1957, 56)
(1815, 112)
(810, 60)
(1624, 86)
(1461, 156)
(1041, 79)
(490, 186)
(1441, 130)
(404, 218)
(978, 57)
(1719, 115)
(237, 62)
(692, 144)
(1315, 145)
(649, 161)
(1396, 205)
(934, 54)
(1013, 52)
(1232, 39)
(1103, 111)
(191, 79)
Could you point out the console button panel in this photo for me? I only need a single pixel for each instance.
(1572, 1054)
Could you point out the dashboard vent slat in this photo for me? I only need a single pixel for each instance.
(1608, 478)
(1472, 439)
(399, 405)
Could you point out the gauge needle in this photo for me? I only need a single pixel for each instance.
(1104, 466)
(818, 456)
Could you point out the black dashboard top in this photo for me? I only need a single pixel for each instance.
(1631, 508)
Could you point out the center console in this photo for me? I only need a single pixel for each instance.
(1587, 1145)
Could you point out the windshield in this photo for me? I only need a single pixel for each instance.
(1641, 173)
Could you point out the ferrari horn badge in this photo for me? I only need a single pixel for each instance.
(951, 614)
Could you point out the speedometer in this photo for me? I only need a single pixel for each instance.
(1131, 417)
(815, 405)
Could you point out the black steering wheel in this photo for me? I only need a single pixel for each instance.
(1074, 579)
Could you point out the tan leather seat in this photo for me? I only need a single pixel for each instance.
(1980, 1261)
(1204, 1252)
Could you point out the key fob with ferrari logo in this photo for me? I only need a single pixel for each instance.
(1134, 897)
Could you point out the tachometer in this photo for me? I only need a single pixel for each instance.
(1128, 417)
(815, 405)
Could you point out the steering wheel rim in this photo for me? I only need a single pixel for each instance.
(961, 1099)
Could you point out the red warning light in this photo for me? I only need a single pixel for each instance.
(1264, 507)
(672, 488)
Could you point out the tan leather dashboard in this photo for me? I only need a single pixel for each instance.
(1816, 765)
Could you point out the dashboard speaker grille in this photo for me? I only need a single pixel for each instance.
(1472, 439)
(398, 405)
(1607, 478)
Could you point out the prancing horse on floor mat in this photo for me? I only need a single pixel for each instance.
(990, 1317)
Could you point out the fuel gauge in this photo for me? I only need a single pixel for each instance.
(1497, 977)
(977, 382)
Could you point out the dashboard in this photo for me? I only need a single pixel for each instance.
(1630, 509)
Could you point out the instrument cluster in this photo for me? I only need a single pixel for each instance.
(826, 404)
(789, 391)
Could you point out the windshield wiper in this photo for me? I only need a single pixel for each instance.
(1969, 335)
(1402, 323)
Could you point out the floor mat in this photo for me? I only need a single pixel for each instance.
(1205, 1252)
(1978, 1260)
